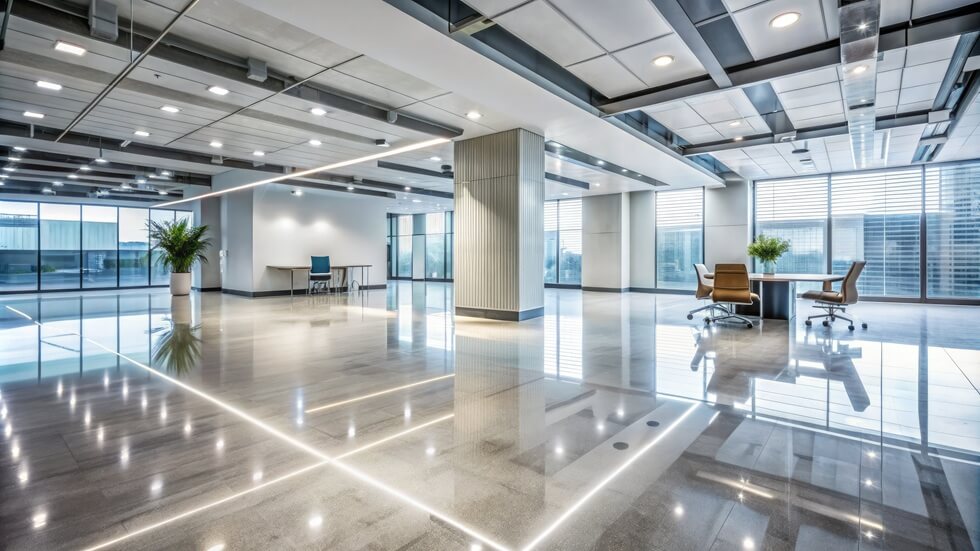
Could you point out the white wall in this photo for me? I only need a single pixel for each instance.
(643, 239)
(236, 230)
(606, 241)
(727, 224)
(208, 212)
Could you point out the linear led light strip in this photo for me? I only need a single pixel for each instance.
(295, 443)
(258, 487)
(309, 171)
(379, 393)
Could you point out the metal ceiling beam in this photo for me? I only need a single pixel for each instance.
(448, 175)
(200, 58)
(820, 56)
(688, 32)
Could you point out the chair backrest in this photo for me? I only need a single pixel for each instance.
(731, 283)
(848, 288)
(704, 286)
(319, 264)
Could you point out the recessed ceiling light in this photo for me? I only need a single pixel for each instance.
(218, 90)
(314, 142)
(564, 193)
(19, 148)
(473, 115)
(58, 183)
(258, 153)
(73, 176)
(408, 188)
(141, 133)
(69, 48)
(215, 143)
(416, 200)
(863, 26)
(663, 60)
(623, 170)
(318, 111)
(9, 168)
(350, 188)
(48, 85)
(600, 162)
(435, 159)
(162, 192)
(166, 173)
(141, 180)
(597, 184)
(33, 115)
(47, 190)
(101, 161)
(170, 109)
(859, 69)
(784, 20)
(84, 168)
(738, 138)
(733, 124)
(382, 143)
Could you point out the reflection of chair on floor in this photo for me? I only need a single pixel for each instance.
(736, 363)
(703, 292)
(838, 365)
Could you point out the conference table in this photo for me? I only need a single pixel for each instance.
(777, 293)
(345, 268)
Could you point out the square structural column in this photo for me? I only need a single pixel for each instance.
(499, 225)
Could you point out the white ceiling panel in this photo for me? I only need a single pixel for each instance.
(886, 99)
(922, 8)
(675, 115)
(814, 111)
(764, 41)
(549, 32)
(727, 105)
(639, 58)
(895, 11)
(930, 51)
(629, 22)
(890, 80)
(491, 8)
(359, 88)
(926, 73)
(704, 133)
(891, 60)
(608, 76)
(367, 69)
(823, 93)
(805, 80)
(918, 94)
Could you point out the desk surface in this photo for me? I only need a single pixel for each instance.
(307, 266)
(789, 277)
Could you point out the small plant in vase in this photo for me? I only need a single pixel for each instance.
(768, 250)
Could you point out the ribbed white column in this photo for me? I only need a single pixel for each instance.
(499, 225)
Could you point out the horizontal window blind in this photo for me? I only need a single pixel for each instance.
(953, 231)
(550, 215)
(679, 219)
(795, 210)
(680, 208)
(563, 241)
(875, 216)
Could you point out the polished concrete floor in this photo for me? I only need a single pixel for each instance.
(377, 421)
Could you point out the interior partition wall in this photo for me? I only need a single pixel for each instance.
(680, 237)
(918, 228)
(563, 242)
(48, 246)
(437, 233)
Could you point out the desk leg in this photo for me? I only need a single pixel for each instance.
(291, 273)
(779, 300)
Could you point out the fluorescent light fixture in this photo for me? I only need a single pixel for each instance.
(258, 153)
(218, 91)
(784, 20)
(15, 159)
(73, 176)
(314, 142)
(170, 109)
(84, 168)
(663, 61)
(62, 46)
(474, 115)
(435, 159)
(299, 174)
(48, 85)
(318, 111)
(33, 115)
(141, 133)
(216, 143)
(101, 161)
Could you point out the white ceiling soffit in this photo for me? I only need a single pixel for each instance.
(386, 34)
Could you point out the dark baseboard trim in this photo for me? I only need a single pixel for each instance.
(296, 292)
(378, 286)
(503, 315)
(561, 286)
(660, 291)
(606, 289)
(206, 289)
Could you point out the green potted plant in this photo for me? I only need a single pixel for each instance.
(182, 245)
(768, 250)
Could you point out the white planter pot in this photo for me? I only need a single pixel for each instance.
(180, 309)
(180, 284)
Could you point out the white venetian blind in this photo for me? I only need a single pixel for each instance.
(953, 231)
(795, 210)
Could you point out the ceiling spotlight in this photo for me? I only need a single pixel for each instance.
(314, 142)
(84, 168)
(218, 91)
(623, 170)
(69, 48)
(350, 188)
(784, 20)
(48, 85)
(297, 192)
(318, 111)
(19, 148)
(170, 109)
(738, 138)
(9, 168)
(162, 192)
(407, 188)
(859, 69)
(382, 143)
(258, 153)
(597, 184)
(435, 159)
(600, 162)
(57, 183)
(101, 161)
(166, 173)
(564, 193)
(48, 191)
(733, 124)
(416, 200)
(141, 133)
(473, 115)
(663, 60)
(862, 26)
(33, 115)
(216, 143)
(73, 176)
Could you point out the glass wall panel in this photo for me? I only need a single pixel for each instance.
(795, 210)
(134, 247)
(159, 274)
(680, 232)
(953, 231)
(18, 246)
(100, 233)
(61, 245)
(563, 242)
(551, 241)
(435, 245)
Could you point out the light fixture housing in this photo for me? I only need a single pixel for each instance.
(170, 109)
(141, 133)
(69, 48)
(784, 20)
(48, 85)
(218, 90)
(318, 111)
(33, 115)
(473, 115)
(663, 61)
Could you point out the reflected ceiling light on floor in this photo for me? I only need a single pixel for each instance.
(473, 115)
(258, 153)
(216, 144)
(318, 111)
(62, 46)
(663, 61)
(784, 20)
(141, 133)
(48, 85)
(297, 192)
(218, 90)
(314, 142)
(33, 115)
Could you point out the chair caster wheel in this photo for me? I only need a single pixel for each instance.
(690, 316)
(850, 328)
(707, 321)
(826, 323)
(808, 323)
(748, 326)
(864, 326)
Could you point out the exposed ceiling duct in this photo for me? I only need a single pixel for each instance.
(859, 57)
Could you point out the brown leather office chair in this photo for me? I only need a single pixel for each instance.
(835, 303)
(703, 292)
(731, 286)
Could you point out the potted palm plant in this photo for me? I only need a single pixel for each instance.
(182, 245)
(768, 250)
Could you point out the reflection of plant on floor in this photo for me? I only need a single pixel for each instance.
(178, 349)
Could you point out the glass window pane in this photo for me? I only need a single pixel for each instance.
(449, 256)
(795, 210)
(953, 231)
(563, 241)
(551, 256)
(405, 255)
(61, 244)
(100, 233)
(435, 222)
(18, 246)
(133, 248)
(159, 275)
(405, 224)
(435, 255)
(679, 235)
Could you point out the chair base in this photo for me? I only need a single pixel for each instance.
(729, 315)
(833, 313)
(709, 307)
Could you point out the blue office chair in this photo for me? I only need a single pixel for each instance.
(320, 274)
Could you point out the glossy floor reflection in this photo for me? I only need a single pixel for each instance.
(377, 421)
